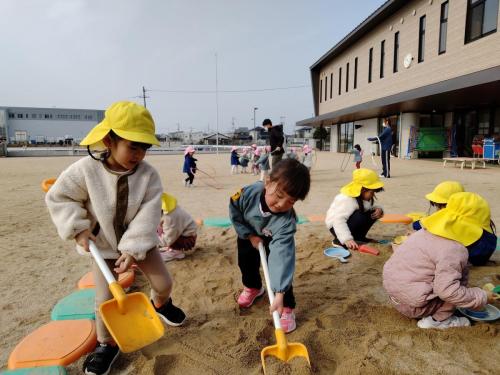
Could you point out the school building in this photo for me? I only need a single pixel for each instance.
(431, 66)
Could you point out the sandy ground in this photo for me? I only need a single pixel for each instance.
(343, 315)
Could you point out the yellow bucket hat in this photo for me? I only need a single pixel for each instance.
(463, 219)
(361, 178)
(168, 203)
(444, 191)
(128, 120)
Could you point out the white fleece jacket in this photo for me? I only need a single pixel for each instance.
(339, 212)
(86, 194)
(175, 224)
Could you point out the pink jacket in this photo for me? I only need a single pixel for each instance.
(427, 266)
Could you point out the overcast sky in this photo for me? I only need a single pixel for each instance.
(91, 53)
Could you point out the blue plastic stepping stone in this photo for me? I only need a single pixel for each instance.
(302, 220)
(78, 305)
(221, 222)
(498, 244)
(49, 370)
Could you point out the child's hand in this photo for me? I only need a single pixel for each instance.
(123, 263)
(83, 238)
(351, 244)
(492, 297)
(377, 213)
(277, 304)
(255, 240)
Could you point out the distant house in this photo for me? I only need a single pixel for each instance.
(304, 132)
(212, 139)
(258, 133)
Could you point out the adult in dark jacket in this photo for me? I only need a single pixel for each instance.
(276, 140)
(385, 139)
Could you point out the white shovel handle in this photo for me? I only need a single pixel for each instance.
(270, 293)
(101, 263)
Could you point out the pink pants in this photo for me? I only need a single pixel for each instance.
(439, 309)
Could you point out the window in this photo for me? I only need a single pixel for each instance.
(396, 53)
(355, 73)
(347, 78)
(331, 85)
(11, 115)
(443, 27)
(340, 81)
(382, 57)
(19, 115)
(421, 39)
(370, 64)
(320, 90)
(481, 19)
(326, 88)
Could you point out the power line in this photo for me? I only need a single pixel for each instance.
(227, 91)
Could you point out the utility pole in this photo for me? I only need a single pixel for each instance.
(217, 104)
(254, 109)
(144, 96)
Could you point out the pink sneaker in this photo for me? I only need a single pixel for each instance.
(287, 320)
(171, 254)
(248, 295)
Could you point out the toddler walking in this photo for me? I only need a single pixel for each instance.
(189, 166)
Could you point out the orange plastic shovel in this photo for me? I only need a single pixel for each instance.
(368, 250)
(282, 350)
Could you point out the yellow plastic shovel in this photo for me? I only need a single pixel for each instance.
(130, 318)
(282, 350)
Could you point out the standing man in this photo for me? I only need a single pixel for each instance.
(385, 139)
(276, 140)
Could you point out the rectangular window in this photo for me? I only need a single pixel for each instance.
(347, 78)
(320, 90)
(482, 18)
(331, 85)
(326, 88)
(443, 27)
(421, 40)
(382, 57)
(355, 73)
(370, 64)
(396, 53)
(340, 81)
(19, 115)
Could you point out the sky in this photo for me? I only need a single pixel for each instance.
(90, 53)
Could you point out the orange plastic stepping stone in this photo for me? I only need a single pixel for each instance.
(396, 218)
(316, 218)
(47, 183)
(57, 343)
(199, 222)
(125, 279)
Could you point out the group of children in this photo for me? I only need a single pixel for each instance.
(116, 200)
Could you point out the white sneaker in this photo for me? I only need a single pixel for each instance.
(171, 254)
(452, 321)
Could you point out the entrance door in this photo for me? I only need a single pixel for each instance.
(465, 128)
(345, 136)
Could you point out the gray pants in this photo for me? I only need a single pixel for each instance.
(276, 158)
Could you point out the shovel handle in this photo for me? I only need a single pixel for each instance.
(270, 293)
(101, 263)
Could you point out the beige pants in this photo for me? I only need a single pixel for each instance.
(152, 267)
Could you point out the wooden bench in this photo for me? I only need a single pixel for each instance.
(463, 162)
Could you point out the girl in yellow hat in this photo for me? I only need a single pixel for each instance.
(426, 276)
(115, 201)
(352, 212)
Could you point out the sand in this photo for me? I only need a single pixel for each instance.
(343, 316)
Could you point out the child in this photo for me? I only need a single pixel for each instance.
(115, 201)
(177, 230)
(234, 160)
(426, 277)
(358, 156)
(307, 157)
(263, 162)
(243, 160)
(264, 213)
(189, 165)
(255, 157)
(291, 153)
(352, 213)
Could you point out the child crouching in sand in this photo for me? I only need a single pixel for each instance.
(352, 212)
(426, 277)
(177, 229)
(264, 213)
(115, 201)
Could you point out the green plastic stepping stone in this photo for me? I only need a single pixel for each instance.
(49, 370)
(78, 305)
(302, 220)
(221, 222)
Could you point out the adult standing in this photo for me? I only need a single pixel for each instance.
(276, 140)
(385, 140)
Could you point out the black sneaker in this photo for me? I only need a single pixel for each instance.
(336, 243)
(170, 314)
(100, 361)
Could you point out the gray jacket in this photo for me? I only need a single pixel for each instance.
(248, 218)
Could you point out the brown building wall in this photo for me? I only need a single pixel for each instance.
(459, 58)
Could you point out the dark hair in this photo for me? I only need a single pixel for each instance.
(292, 177)
(267, 122)
(439, 206)
(116, 137)
(359, 199)
(357, 147)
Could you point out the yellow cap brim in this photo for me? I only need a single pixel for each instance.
(433, 197)
(353, 188)
(97, 134)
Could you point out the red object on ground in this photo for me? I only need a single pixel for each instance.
(368, 250)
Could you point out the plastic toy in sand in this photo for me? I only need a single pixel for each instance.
(47, 184)
(221, 222)
(316, 218)
(395, 219)
(337, 252)
(46, 370)
(489, 314)
(368, 250)
(125, 279)
(78, 305)
(416, 215)
(58, 343)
